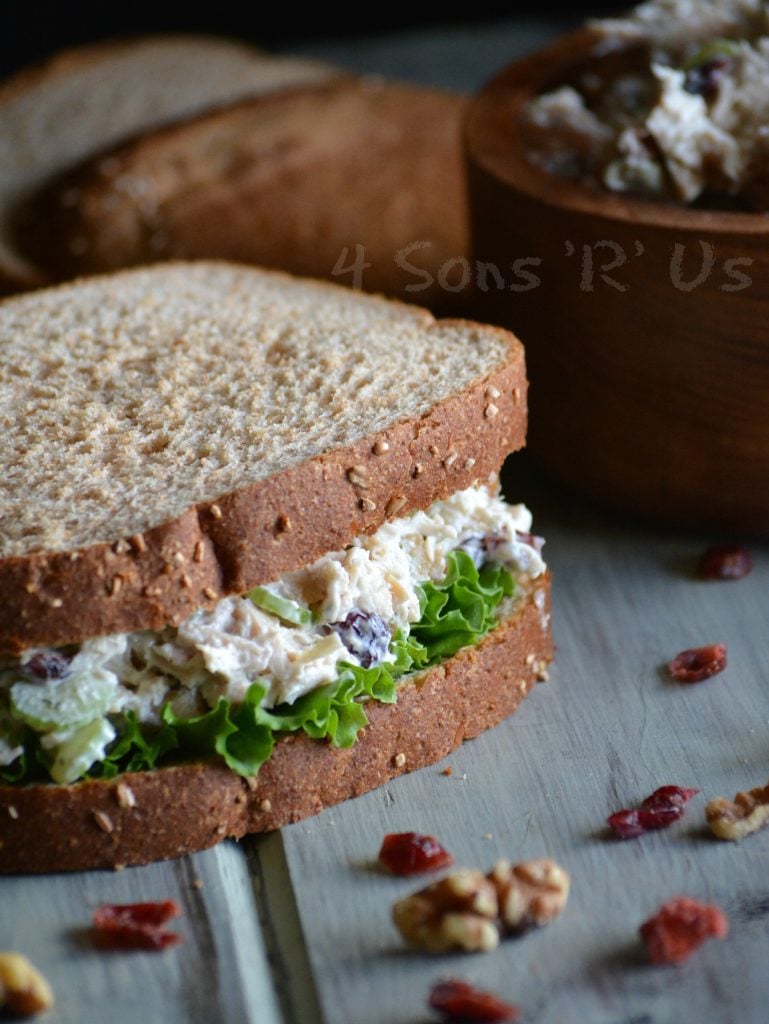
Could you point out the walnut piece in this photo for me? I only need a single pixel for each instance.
(468, 910)
(23, 989)
(531, 894)
(459, 912)
(735, 819)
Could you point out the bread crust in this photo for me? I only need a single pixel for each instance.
(147, 816)
(17, 272)
(296, 180)
(253, 535)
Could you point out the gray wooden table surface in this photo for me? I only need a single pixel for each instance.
(294, 928)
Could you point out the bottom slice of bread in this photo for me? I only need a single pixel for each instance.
(146, 816)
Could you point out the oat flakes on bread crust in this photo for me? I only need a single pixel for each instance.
(188, 432)
(148, 816)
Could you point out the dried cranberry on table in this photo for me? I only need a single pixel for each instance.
(679, 927)
(457, 1001)
(136, 925)
(365, 635)
(409, 853)
(698, 663)
(725, 562)
(665, 805)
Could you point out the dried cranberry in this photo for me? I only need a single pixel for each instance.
(679, 927)
(365, 635)
(532, 540)
(699, 663)
(626, 824)
(458, 1001)
(705, 79)
(725, 562)
(409, 853)
(662, 808)
(483, 547)
(475, 547)
(46, 665)
(669, 796)
(136, 925)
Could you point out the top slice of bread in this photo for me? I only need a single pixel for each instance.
(177, 433)
(84, 100)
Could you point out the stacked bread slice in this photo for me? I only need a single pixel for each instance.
(86, 100)
(198, 148)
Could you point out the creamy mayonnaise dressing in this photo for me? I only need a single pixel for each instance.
(221, 651)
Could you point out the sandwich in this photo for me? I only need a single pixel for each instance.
(253, 558)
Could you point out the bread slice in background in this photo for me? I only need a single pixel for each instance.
(56, 115)
(310, 180)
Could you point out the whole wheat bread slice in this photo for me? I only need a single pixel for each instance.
(174, 434)
(54, 116)
(314, 181)
(148, 816)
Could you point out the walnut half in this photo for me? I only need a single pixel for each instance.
(23, 989)
(459, 912)
(735, 819)
(531, 894)
(467, 910)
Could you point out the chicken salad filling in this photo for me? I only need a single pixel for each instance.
(681, 114)
(302, 653)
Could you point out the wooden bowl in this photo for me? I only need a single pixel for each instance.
(650, 381)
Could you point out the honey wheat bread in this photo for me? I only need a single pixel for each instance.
(148, 816)
(313, 181)
(54, 116)
(178, 433)
(175, 434)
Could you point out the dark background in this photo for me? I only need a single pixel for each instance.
(30, 32)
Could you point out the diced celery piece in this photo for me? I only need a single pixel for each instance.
(712, 50)
(64, 703)
(281, 607)
(82, 748)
